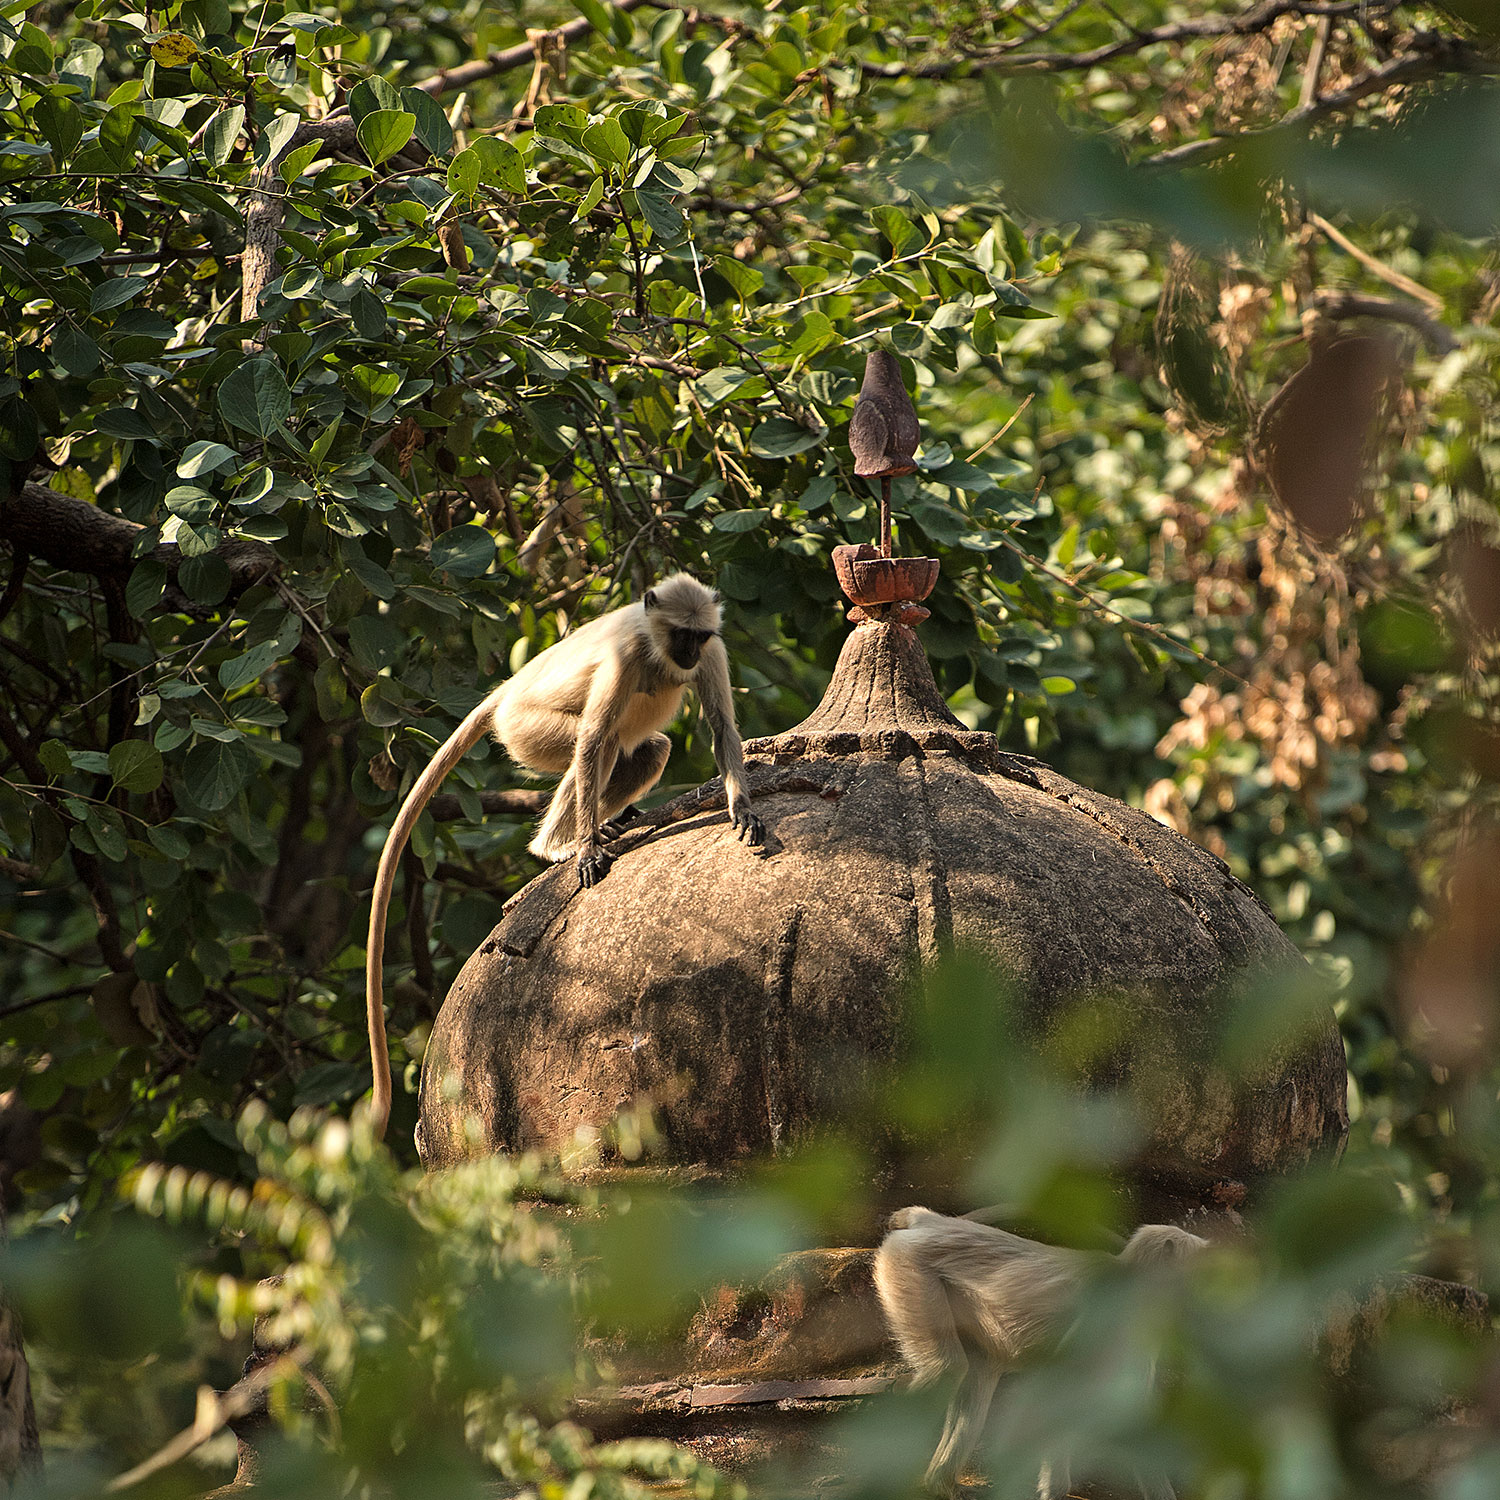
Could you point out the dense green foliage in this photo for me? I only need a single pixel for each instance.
(528, 336)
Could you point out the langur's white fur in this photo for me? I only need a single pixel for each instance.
(591, 708)
(969, 1299)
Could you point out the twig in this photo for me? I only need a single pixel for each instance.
(1350, 305)
(1387, 274)
(55, 954)
(1314, 68)
(1145, 629)
(994, 438)
(213, 1414)
(19, 870)
(19, 562)
(449, 79)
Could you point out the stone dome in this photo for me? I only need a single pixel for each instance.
(749, 991)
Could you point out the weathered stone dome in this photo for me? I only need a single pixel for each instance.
(749, 991)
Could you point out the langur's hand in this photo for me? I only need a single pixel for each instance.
(744, 822)
(593, 865)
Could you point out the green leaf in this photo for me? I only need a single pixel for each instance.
(255, 397)
(895, 226)
(376, 641)
(74, 350)
(204, 578)
(667, 221)
(465, 551)
(20, 429)
(606, 141)
(596, 14)
(116, 292)
(204, 458)
(148, 582)
(61, 121)
(591, 199)
(500, 164)
(223, 130)
(780, 437)
(215, 771)
(298, 161)
(433, 129)
(383, 132)
(123, 422)
(301, 281)
(371, 96)
(54, 757)
(463, 173)
(372, 384)
(169, 842)
(274, 137)
(745, 280)
(739, 520)
(368, 314)
(136, 766)
(243, 669)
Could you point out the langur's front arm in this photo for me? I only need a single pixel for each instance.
(715, 695)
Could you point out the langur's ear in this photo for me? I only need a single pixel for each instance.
(649, 599)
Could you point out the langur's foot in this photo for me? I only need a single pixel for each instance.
(593, 866)
(619, 823)
(749, 828)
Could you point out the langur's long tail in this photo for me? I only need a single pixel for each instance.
(454, 748)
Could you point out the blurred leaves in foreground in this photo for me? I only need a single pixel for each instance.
(433, 1331)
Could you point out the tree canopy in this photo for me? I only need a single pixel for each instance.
(354, 352)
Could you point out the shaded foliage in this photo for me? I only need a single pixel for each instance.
(351, 354)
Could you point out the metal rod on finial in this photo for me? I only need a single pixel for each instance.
(885, 515)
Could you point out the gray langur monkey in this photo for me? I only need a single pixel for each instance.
(966, 1298)
(591, 707)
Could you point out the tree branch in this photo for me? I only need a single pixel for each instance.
(1006, 60)
(446, 807)
(1338, 305)
(1433, 58)
(1430, 300)
(72, 534)
(450, 80)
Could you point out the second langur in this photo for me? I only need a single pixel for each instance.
(591, 707)
(971, 1300)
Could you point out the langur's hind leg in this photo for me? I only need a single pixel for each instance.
(964, 1425)
(557, 838)
(633, 776)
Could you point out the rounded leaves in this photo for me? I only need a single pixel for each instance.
(255, 397)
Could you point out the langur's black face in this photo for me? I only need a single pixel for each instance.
(686, 646)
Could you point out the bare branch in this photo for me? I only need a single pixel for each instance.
(1387, 274)
(446, 807)
(1340, 305)
(1435, 57)
(1005, 59)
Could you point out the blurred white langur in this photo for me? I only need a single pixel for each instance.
(966, 1298)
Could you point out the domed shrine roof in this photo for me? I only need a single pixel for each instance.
(749, 992)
